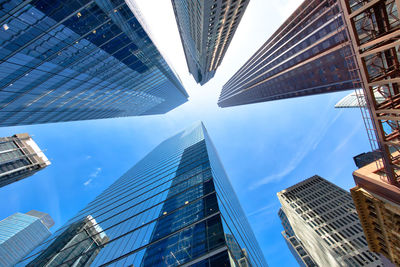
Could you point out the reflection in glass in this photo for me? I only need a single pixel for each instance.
(68, 60)
(174, 207)
(77, 246)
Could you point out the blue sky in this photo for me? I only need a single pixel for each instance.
(264, 147)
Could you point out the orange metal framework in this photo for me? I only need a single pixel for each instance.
(374, 31)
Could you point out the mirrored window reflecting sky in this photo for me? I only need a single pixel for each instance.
(264, 147)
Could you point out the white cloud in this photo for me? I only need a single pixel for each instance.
(95, 173)
(266, 209)
(87, 182)
(310, 143)
(88, 157)
(351, 134)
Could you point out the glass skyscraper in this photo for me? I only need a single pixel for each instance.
(305, 56)
(174, 207)
(67, 60)
(206, 28)
(20, 157)
(21, 233)
(79, 245)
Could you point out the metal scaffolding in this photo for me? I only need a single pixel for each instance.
(374, 31)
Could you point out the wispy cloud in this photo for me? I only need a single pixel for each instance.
(95, 173)
(350, 135)
(88, 182)
(266, 209)
(311, 142)
(88, 157)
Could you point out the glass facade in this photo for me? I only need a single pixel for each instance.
(299, 253)
(44, 217)
(20, 157)
(68, 60)
(79, 245)
(11, 157)
(20, 234)
(305, 56)
(206, 28)
(357, 99)
(294, 244)
(285, 223)
(366, 158)
(174, 207)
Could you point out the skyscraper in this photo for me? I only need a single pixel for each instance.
(21, 233)
(83, 237)
(378, 207)
(174, 207)
(356, 99)
(285, 223)
(20, 157)
(373, 30)
(324, 219)
(206, 29)
(305, 56)
(69, 60)
(44, 217)
(295, 246)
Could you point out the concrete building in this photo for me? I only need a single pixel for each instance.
(20, 157)
(175, 207)
(325, 221)
(305, 56)
(21, 233)
(285, 223)
(72, 60)
(206, 29)
(378, 207)
(295, 246)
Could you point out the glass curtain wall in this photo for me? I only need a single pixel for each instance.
(66, 60)
(176, 206)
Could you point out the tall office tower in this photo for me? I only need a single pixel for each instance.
(303, 57)
(20, 157)
(83, 238)
(374, 28)
(206, 29)
(324, 219)
(69, 60)
(295, 246)
(356, 99)
(285, 223)
(21, 233)
(378, 207)
(44, 217)
(174, 207)
(351, 101)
